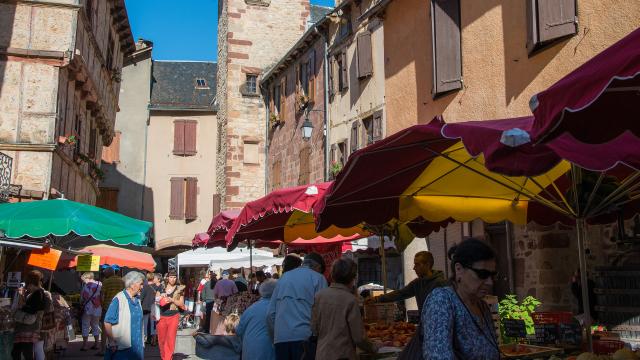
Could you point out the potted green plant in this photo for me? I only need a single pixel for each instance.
(335, 168)
(510, 308)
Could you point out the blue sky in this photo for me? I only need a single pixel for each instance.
(180, 32)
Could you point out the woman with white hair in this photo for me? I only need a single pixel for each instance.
(253, 329)
(91, 310)
(123, 321)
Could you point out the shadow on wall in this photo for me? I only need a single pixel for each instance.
(121, 194)
(7, 17)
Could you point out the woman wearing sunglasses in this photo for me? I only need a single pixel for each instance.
(456, 321)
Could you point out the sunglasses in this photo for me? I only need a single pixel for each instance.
(483, 274)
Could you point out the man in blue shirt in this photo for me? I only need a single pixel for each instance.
(289, 315)
(253, 329)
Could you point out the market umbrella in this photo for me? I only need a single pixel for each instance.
(220, 225)
(111, 255)
(595, 103)
(64, 222)
(485, 169)
(200, 240)
(285, 215)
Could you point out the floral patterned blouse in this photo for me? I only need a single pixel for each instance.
(451, 331)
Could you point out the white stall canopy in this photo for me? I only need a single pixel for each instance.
(223, 259)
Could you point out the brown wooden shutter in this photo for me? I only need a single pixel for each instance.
(365, 63)
(311, 75)
(271, 100)
(217, 202)
(344, 71)
(303, 166)
(283, 99)
(447, 56)
(298, 87)
(176, 211)
(354, 136)
(377, 125)
(549, 20)
(332, 63)
(178, 137)
(190, 136)
(191, 208)
(275, 175)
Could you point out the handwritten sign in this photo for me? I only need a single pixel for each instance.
(570, 334)
(546, 333)
(88, 263)
(514, 328)
(13, 279)
(45, 258)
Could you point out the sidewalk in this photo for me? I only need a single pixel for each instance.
(185, 349)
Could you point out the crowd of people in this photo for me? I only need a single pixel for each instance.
(296, 315)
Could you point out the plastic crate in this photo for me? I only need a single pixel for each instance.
(606, 347)
(555, 317)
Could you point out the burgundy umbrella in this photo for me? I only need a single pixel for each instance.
(220, 225)
(596, 103)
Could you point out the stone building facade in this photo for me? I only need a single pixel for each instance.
(356, 89)
(252, 36)
(60, 67)
(294, 90)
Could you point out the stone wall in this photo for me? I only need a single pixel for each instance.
(286, 146)
(246, 48)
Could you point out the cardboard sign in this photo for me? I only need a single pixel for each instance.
(45, 258)
(13, 279)
(88, 263)
(514, 328)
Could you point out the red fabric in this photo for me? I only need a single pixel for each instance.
(167, 329)
(307, 244)
(220, 225)
(111, 255)
(579, 105)
(265, 218)
(200, 239)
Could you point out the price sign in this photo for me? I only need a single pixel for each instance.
(88, 263)
(514, 328)
(45, 258)
(13, 279)
(546, 333)
(570, 334)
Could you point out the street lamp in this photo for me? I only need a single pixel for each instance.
(307, 128)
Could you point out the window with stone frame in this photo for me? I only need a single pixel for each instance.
(251, 84)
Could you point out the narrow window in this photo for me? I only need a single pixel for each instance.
(368, 131)
(201, 83)
(365, 62)
(251, 84)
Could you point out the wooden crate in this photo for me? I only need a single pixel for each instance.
(383, 312)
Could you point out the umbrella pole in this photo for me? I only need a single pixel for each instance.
(384, 263)
(584, 280)
(250, 257)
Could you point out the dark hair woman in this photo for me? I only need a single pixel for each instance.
(29, 317)
(456, 321)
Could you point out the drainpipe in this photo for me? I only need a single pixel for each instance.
(326, 103)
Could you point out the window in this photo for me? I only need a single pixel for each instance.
(276, 98)
(88, 11)
(355, 132)
(109, 59)
(304, 79)
(201, 83)
(338, 155)
(367, 134)
(345, 24)
(184, 137)
(77, 149)
(331, 82)
(447, 57)
(111, 153)
(276, 171)
(377, 126)
(549, 20)
(184, 197)
(343, 71)
(93, 139)
(311, 76)
(282, 111)
(251, 84)
(365, 62)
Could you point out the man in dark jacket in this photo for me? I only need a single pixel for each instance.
(420, 288)
(147, 300)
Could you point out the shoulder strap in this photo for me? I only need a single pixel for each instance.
(91, 297)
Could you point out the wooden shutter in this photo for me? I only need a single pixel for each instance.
(354, 136)
(217, 202)
(191, 208)
(549, 20)
(334, 153)
(271, 100)
(275, 175)
(190, 135)
(365, 63)
(93, 134)
(176, 211)
(377, 125)
(447, 56)
(283, 99)
(297, 88)
(332, 63)
(178, 137)
(344, 71)
(304, 166)
(311, 75)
